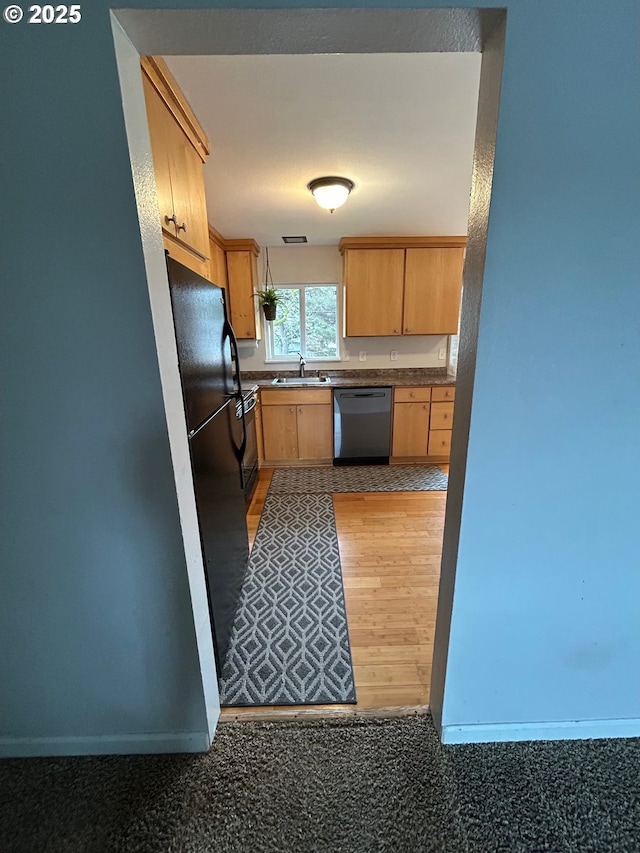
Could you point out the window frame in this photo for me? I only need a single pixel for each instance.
(271, 358)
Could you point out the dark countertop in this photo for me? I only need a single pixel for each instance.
(358, 378)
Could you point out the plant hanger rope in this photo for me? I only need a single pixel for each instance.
(267, 270)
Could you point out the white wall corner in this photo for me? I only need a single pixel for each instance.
(128, 62)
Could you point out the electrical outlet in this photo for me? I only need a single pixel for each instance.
(393, 355)
(362, 356)
(442, 353)
(346, 356)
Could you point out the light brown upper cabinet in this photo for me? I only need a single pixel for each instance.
(218, 258)
(432, 287)
(179, 147)
(402, 285)
(242, 276)
(373, 287)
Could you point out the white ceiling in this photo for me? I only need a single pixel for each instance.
(401, 126)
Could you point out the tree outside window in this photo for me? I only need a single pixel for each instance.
(307, 323)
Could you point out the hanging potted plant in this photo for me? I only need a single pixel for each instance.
(268, 296)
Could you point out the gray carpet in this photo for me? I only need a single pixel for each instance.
(289, 644)
(348, 786)
(358, 478)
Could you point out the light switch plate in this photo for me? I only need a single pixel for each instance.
(362, 355)
(442, 353)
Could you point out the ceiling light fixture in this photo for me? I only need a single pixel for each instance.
(330, 192)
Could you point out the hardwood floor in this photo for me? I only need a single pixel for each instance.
(390, 548)
(257, 502)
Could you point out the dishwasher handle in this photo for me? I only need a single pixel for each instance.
(363, 394)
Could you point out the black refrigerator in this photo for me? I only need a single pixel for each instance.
(211, 390)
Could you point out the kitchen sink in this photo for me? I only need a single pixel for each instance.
(302, 380)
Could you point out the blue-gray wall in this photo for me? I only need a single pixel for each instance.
(546, 616)
(97, 635)
(98, 642)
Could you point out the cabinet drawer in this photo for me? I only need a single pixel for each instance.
(284, 397)
(443, 392)
(439, 442)
(441, 416)
(417, 394)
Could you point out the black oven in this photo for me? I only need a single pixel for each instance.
(250, 459)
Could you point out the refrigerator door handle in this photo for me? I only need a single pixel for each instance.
(243, 446)
(206, 421)
(229, 333)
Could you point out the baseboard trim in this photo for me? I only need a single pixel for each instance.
(136, 744)
(569, 730)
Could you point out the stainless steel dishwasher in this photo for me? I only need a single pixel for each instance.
(361, 426)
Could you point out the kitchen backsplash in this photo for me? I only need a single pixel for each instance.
(418, 351)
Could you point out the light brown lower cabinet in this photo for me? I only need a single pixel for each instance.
(439, 442)
(279, 432)
(410, 429)
(315, 433)
(441, 416)
(422, 429)
(297, 426)
(443, 393)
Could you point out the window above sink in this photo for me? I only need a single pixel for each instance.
(306, 323)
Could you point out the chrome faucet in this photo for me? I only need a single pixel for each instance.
(302, 365)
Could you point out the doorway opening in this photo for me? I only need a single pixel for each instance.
(227, 32)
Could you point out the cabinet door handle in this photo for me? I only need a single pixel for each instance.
(407, 329)
(171, 219)
(182, 227)
(396, 331)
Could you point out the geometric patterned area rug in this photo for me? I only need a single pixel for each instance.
(358, 478)
(290, 642)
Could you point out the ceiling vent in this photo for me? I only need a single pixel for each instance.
(300, 239)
